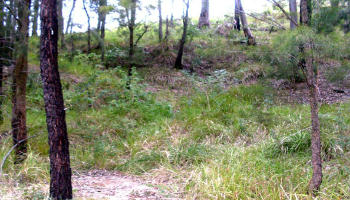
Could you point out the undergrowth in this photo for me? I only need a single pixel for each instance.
(226, 139)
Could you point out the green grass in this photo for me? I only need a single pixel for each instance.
(219, 143)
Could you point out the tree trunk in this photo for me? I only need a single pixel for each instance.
(60, 171)
(178, 62)
(89, 27)
(103, 25)
(20, 73)
(204, 17)
(160, 28)
(69, 23)
(316, 160)
(35, 18)
(293, 13)
(60, 23)
(131, 26)
(166, 29)
(99, 13)
(312, 80)
(305, 12)
(172, 14)
(3, 54)
(237, 16)
(10, 30)
(248, 34)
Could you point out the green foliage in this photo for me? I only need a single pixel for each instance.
(115, 57)
(88, 59)
(326, 20)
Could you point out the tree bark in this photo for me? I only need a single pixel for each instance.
(160, 28)
(35, 18)
(316, 160)
(60, 171)
(89, 27)
(20, 73)
(237, 16)
(204, 17)
(247, 32)
(293, 14)
(69, 23)
(305, 12)
(60, 23)
(312, 81)
(178, 62)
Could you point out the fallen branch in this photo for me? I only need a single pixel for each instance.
(12, 148)
(284, 12)
(141, 35)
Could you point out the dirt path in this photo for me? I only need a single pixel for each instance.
(100, 184)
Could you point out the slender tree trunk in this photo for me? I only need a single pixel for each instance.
(60, 171)
(346, 26)
(237, 16)
(178, 62)
(10, 29)
(312, 80)
(99, 13)
(69, 23)
(248, 34)
(172, 14)
(103, 25)
(89, 27)
(131, 37)
(160, 28)
(60, 23)
(316, 160)
(204, 17)
(20, 73)
(293, 13)
(3, 54)
(35, 18)
(166, 29)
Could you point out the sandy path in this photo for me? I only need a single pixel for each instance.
(99, 184)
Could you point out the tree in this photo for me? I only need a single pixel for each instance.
(305, 12)
(35, 18)
(172, 14)
(69, 23)
(89, 26)
(60, 23)
(131, 26)
(248, 34)
(178, 62)
(293, 14)
(20, 73)
(312, 82)
(160, 29)
(3, 54)
(237, 16)
(103, 4)
(60, 171)
(204, 17)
